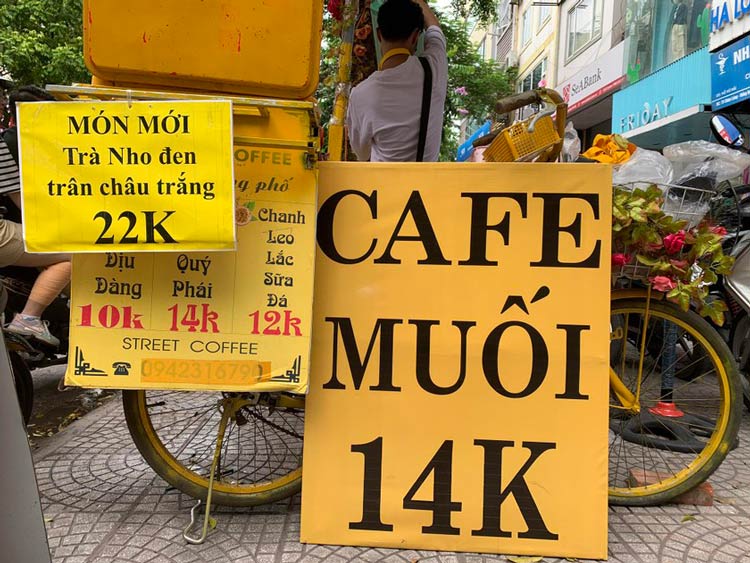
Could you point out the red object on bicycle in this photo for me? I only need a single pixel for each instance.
(669, 410)
(334, 7)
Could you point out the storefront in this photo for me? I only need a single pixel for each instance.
(730, 56)
(668, 106)
(590, 91)
(660, 32)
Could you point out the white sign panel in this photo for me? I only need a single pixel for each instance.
(729, 19)
(604, 75)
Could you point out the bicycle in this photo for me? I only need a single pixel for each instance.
(674, 411)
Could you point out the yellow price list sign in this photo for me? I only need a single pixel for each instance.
(238, 321)
(128, 176)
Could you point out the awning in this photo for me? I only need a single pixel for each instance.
(690, 124)
(593, 113)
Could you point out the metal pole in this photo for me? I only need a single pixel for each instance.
(23, 538)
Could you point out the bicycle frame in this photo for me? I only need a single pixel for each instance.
(627, 399)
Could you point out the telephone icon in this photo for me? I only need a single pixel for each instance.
(122, 368)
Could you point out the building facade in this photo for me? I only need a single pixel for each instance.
(591, 52)
(668, 94)
(651, 70)
(536, 36)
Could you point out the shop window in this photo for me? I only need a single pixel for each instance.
(533, 78)
(662, 32)
(526, 28)
(584, 25)
(544, 14)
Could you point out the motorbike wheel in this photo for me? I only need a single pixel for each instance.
(24, 385)
(740, 339)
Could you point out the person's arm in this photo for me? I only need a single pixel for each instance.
(15, 197)
(359, 139)
(434, 41)
(429, 16)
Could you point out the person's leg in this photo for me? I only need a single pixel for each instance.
(50, 282)
(46, 288)
(48, 285)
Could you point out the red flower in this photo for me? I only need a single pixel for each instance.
(681, 264)
(363, 32)
(662, 283)
(673, 243)
(718, 230)
(619, 259)
(360, 50)
(334, 7)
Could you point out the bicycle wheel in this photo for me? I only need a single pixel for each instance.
(261, 458)
(24, 384)
(691, 360)
(667, 433)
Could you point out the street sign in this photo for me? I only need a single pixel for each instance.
(466, 149)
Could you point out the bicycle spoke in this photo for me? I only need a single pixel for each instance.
(257, 451)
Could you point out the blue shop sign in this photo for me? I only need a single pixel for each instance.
(730, 74)
(466, 149)
(661, 96)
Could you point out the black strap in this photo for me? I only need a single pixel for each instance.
(426, 98)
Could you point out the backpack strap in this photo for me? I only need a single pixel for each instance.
(426, 98)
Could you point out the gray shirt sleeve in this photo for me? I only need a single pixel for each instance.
(10, 180)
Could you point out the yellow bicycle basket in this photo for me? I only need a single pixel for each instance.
(517, 143)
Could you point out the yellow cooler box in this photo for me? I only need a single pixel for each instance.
(256, 47)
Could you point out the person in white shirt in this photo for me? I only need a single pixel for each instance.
(384, 111)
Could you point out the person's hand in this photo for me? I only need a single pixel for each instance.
(429, 16)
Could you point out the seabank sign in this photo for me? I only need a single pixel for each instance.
(458, 393)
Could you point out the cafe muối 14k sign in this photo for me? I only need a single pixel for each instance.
(230, 321)
(128, 176)
(459, 381)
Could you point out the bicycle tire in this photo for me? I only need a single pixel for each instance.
(24, 385)
(661, 482)
(189, 474)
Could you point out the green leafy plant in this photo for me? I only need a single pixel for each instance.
(41, 41)
(483, 11)
(679, 260)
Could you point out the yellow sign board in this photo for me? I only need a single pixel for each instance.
(127, 176)
(235, 321)
(459, 381)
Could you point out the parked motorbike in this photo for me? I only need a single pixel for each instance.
(735, 287)
(28, 354)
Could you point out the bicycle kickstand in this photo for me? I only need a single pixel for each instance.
(227, 412)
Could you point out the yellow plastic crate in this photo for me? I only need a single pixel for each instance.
(516, 143)
(265, 48)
